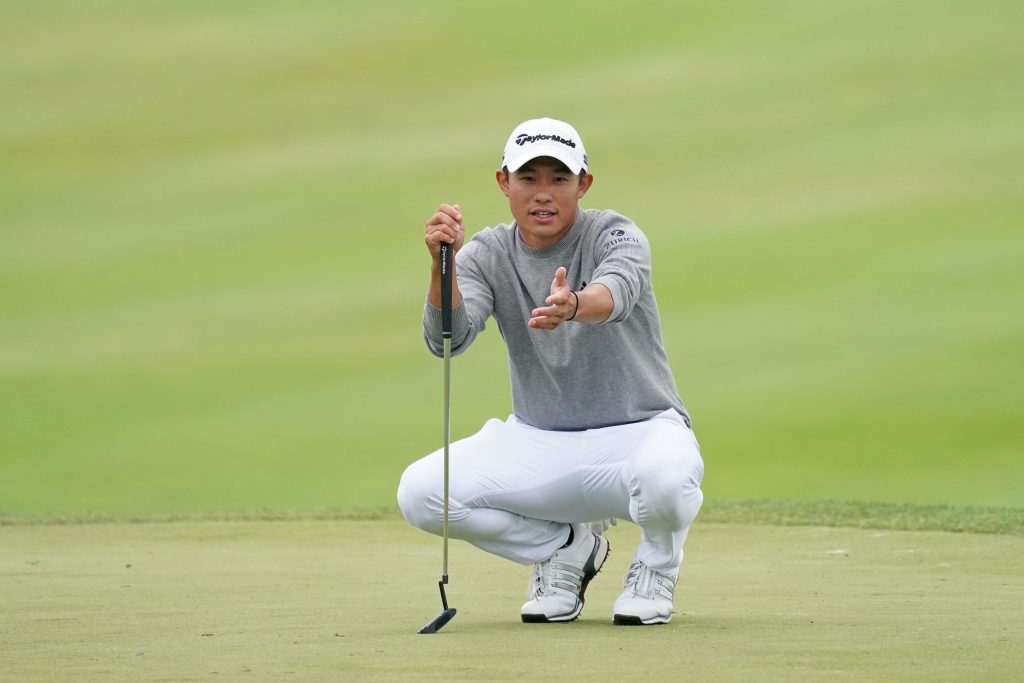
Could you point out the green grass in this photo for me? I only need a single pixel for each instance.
(212, 271)
(342, 600)
(854, 514)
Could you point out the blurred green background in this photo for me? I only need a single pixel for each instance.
(212, 273)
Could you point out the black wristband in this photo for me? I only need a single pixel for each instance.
(575, 310)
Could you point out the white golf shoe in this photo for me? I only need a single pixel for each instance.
(557, 584)
(647, 598)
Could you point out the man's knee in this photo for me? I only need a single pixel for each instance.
(420, 497)
(669, 485)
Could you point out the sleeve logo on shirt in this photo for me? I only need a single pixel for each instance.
(619, 237)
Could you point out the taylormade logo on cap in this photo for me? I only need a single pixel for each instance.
(523, 138)
(544, 138)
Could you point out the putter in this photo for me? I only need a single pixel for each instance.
(448, 613)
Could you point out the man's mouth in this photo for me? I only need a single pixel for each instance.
(541, 213)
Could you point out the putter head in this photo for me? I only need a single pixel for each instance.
(438, 623)
(445, 616)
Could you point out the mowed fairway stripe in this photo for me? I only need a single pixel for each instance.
(343, 600)
(211, 270)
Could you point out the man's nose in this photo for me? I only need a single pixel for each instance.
(544, 190)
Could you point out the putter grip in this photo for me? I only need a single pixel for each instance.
(446, 290)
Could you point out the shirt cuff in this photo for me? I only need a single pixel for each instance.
(614, 286)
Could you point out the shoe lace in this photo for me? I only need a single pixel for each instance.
(648, 583)
(552, 574)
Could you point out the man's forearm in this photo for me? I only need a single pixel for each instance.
(595, 304)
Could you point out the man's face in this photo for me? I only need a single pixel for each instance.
(543, 196)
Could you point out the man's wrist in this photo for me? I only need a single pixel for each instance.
(577, 308)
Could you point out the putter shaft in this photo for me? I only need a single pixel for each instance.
(447, 441)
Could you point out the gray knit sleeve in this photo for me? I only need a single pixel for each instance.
(623, 265)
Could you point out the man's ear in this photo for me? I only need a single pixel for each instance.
(502, 179)
(585, 183)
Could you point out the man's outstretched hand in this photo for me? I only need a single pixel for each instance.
(562, 304)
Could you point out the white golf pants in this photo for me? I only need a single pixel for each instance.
(513, 488)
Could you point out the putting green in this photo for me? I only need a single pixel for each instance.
(342, 600)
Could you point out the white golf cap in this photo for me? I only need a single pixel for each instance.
(544, 138)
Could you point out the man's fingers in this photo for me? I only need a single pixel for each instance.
(447, 214)
(440, 218)
(546, 312)
(559, 288)
(445, 225)
(439, 236)
(559, 281)
(438, 233)
(548, 317)
(452, 210)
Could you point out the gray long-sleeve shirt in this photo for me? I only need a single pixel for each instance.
(577, 376)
